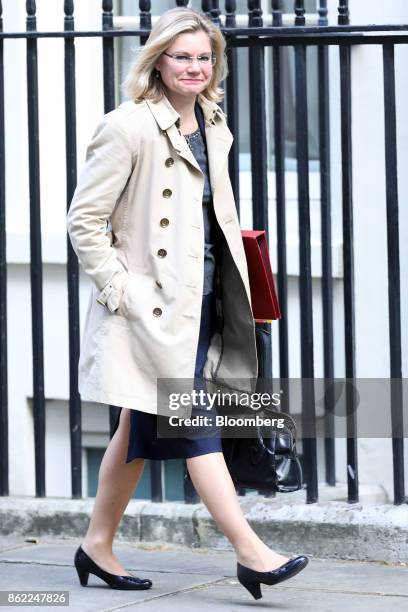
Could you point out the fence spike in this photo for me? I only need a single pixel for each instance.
(215, 13)
(230, 12)
(277, 13)
(30, 7)
(69, 7)
(107, 6)
(206, 7)
(300, 19)
(344, 13)
(323, 13)
(145, 14)
(255, 14)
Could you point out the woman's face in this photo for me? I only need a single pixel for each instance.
(186, 79)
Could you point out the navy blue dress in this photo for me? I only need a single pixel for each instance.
(143, 438)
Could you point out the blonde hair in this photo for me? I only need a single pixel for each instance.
(141, 81)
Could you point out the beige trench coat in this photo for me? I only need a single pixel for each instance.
(143, 316)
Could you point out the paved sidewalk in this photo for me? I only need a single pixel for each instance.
(202, 579)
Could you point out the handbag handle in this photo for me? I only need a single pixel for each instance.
(254, 448)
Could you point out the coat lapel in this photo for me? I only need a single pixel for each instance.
(219, 138)
(219, 141)
(180, 144)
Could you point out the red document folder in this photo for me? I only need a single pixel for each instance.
(265, 304)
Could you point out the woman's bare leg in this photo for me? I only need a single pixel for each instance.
(219, 495)
(116, 484)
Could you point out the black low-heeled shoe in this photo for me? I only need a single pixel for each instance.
(251, 579)
(85, 566)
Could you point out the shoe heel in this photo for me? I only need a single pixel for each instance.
(253, 587)
(83, 576)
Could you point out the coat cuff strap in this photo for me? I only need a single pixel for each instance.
(111, 294)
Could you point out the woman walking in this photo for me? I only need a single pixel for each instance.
(170, 296)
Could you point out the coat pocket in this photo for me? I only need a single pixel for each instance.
(137, 299)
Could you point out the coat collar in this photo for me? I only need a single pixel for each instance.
(218, 137)
(166, 115)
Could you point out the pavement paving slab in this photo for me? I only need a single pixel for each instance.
(204, 579)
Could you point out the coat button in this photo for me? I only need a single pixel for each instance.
(162, 252)
(157, 312)
(158, 283)
(169, 162)
(164, 222)
(167, 193)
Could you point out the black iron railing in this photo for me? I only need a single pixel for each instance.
(256, 37)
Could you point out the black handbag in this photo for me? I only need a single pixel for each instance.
(268, 462)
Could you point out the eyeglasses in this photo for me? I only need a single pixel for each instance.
(205, 60)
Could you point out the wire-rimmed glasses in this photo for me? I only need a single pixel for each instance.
(205, 59)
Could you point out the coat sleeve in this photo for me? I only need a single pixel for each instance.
(108, 165)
